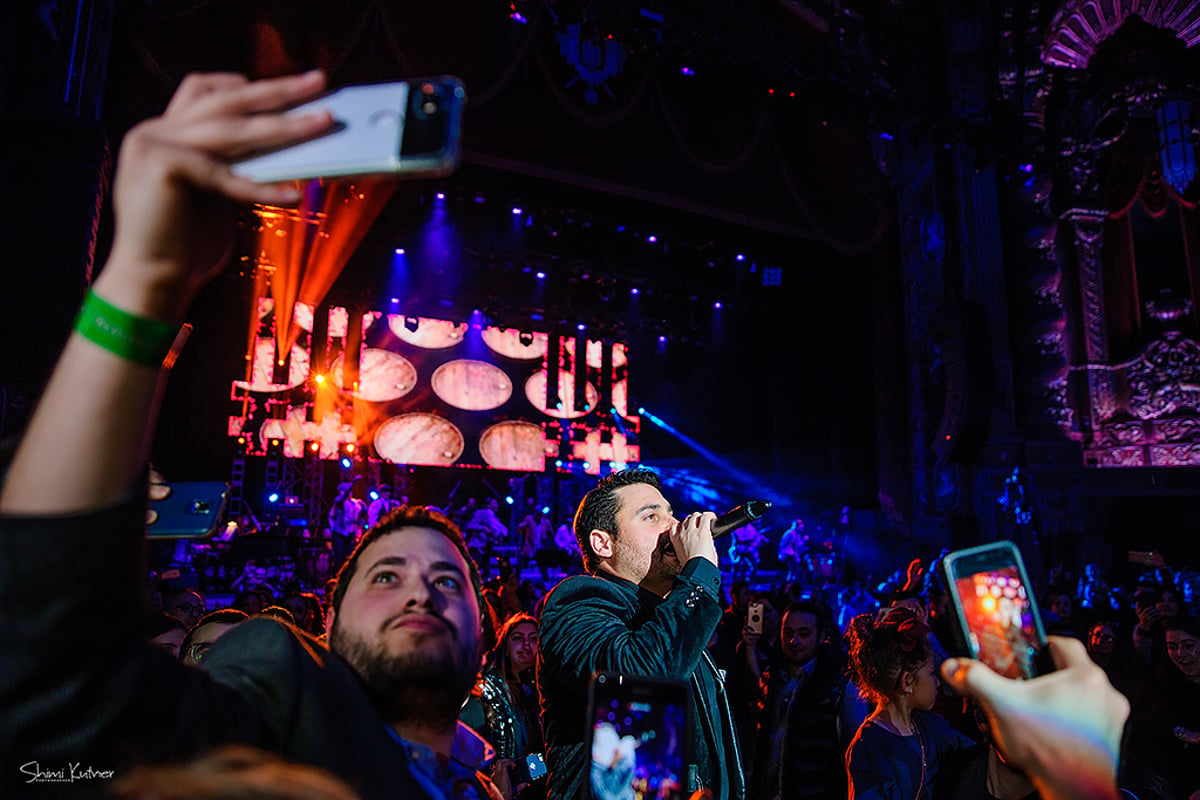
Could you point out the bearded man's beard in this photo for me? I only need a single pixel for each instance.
(423, 687)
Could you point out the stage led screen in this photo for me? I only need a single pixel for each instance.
(422, 391)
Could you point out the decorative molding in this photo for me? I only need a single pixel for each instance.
(1081, 26)
(1166, 379)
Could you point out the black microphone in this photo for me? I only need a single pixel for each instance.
(737, 517)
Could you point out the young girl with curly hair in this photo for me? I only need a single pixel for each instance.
(896, 753)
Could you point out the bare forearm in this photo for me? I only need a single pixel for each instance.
(89, 434)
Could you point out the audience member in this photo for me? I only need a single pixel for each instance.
(167, 632)
(897, 751)
(208, 630)
(807, 712)
(233, 771)
(1166, 709)
(186, 605)
(503, 706)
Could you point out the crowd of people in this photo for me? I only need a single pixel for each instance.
(364, 691)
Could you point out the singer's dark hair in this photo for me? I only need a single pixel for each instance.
(598, 509)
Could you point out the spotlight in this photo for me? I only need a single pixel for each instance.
(740, 257)
(273, 497)
(399, 251)
(581, 327)
(652, 239)
(516, 211)
(350, 447)
(411, 323)
(717, 305)
(687, 71)
(508, 499)
(545, 509)
(635, 290)
(319, 379)
(315, 447)
(374, 495)
(441, 195)
(662, 339)
(541, 275)
(395, 301)
(345, 463)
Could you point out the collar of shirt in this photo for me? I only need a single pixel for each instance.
(469, 753)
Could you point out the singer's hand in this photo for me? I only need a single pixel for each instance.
(692, 537)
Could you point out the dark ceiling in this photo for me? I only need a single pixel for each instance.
(722, 127)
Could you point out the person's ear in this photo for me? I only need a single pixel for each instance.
(601, 542)
(908, 682)
(329, 617)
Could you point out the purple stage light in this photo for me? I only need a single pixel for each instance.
(581, 327)
(399, 251)
(635, 290)
(395, 301)
(662, 339)
(651, 239)
(441, 195)
(516, 210)
(541, 275)
(687, 71)
(740, 257)
(717, 305)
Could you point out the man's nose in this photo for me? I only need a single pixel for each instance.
(419, 593)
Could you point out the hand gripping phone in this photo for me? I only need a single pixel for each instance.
(409, 129)
(997, 616)
(638, 737)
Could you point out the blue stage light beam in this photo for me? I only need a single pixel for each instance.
(700, 449)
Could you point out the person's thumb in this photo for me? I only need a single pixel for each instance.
(975, 679)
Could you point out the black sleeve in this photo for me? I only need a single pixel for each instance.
(78, 680)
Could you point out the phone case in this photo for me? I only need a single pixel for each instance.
(369, 138)
(192, 510)
(995, 608)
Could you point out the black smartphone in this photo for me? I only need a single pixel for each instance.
(997, 615)
(638, 737)
(192, 510)
(408, 129)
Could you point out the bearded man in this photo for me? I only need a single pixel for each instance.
(85, 695)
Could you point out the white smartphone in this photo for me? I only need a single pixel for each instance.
(409, 129)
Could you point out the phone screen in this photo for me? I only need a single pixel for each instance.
(638, 740)
(999, 613)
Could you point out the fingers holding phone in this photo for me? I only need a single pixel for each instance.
(1063, 727)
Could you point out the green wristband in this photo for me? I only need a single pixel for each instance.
(133, 338)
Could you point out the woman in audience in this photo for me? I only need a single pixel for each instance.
(503, 707)
(1166, 709)
(898, 749)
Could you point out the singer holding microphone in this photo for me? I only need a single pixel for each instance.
(647, 605)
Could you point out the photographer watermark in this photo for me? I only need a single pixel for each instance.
(71, 773)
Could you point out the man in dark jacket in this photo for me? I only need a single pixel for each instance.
(807, 712)
(648, 606)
